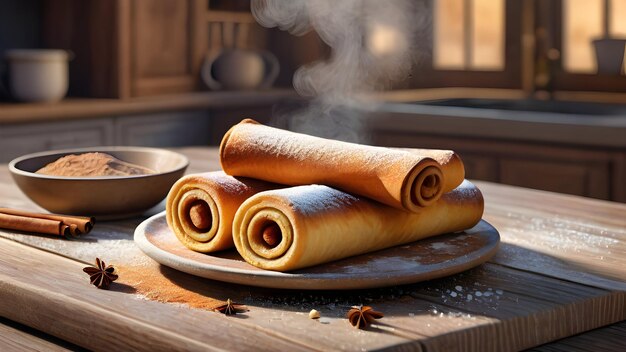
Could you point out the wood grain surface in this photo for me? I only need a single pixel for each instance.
(17, 337)
(559, 272)
(607, 339)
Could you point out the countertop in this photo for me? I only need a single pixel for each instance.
(560, 271)
(548, 128)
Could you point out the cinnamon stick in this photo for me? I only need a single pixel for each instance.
(77, 225)
(38, 225)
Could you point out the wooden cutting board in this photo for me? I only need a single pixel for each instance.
(559, 272)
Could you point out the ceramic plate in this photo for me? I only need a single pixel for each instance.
(418, 261)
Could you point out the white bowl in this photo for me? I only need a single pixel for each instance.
(37, 75)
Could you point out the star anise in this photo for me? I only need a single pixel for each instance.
(360, 316)
(231, 308)
(101, 275)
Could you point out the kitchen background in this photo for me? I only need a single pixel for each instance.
(529, 92)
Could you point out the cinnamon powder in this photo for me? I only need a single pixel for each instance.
(92, 165)
(149, 281)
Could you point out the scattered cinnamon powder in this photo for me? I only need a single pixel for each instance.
(149, 281)
(92, 165)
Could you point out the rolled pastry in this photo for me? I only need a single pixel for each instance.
(298, 227)
(392, 176)
(451, 165)
(200, 208)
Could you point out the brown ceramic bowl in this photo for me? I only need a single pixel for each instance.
(105, 197)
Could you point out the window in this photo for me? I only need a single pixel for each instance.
(469, 35)
(584, 21)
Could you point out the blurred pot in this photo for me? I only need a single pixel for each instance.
(37, 75)
(239, 69)
(609, 55)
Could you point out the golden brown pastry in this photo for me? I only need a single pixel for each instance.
(298, 227)
(451, 165)
(392, 176)
(200, 208)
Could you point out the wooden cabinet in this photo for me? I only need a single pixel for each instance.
(170, 129)
(590, 172)
(589, 179)
(133, 48)
(481, 167)
(127, 48)
(168, 40)
(29, 138)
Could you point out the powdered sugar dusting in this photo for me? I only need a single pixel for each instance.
(291, 147)
(313, 199)
(443, 246)
(230, 184)
(559, 235)
(443, 157)
(377, 263)
(476, 293)
(466, 190)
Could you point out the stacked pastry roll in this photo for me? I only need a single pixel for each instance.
(336, 199)
(200, 208)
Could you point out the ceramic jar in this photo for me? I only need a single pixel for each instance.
(239, 69)
(37, 75)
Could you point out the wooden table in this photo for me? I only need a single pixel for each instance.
(560, 271)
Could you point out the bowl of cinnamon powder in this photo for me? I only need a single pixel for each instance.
(106, 182)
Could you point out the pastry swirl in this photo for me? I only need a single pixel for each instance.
(200, 208)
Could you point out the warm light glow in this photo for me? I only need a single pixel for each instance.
(582, 23)
(618, 20)
(472, 40)
(385, 40)
(448, 34)
(488, 35)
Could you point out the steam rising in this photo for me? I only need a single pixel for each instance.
(370, 40)
(371, 45)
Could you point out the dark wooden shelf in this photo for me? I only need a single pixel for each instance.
(78, 108)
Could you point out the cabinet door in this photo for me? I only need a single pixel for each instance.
(168, 42)
(478, 167)
(566, 169)
(171, 129)
(24, 139)
(587, 179)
